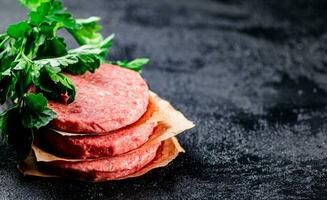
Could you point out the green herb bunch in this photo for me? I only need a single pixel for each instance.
(32, 53)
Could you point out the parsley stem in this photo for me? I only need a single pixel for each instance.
(4, 41)
(26, 58)
(22, 49)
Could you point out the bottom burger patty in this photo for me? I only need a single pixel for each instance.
(103, 168)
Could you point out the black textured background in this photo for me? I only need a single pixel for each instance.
(251, 74)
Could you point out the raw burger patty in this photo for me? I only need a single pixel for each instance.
(103, 168)
(109, 99)
(111, 144)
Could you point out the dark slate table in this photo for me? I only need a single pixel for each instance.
(251, 74)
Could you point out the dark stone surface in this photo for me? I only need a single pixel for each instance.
(251, 74)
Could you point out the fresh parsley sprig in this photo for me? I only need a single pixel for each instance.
(33, 59)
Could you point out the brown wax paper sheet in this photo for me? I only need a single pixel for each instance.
(169, 151)
(153, 114)
(173, 124)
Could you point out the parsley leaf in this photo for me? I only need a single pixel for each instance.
(55, 84)
(77, 61)
(52, 48)
(52, 11)
(87, 33)
(8, 82)
(32, 4)
(18, 30)
(5, 117)
(35, 111)
(135, 65)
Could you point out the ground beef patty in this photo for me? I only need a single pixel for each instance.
(103, 168)
(111, 144)
(109, 99)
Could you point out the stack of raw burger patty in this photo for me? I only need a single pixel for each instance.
(103, 132)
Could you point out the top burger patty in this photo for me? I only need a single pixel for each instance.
(109, 99)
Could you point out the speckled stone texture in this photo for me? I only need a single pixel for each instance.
(251, 74)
